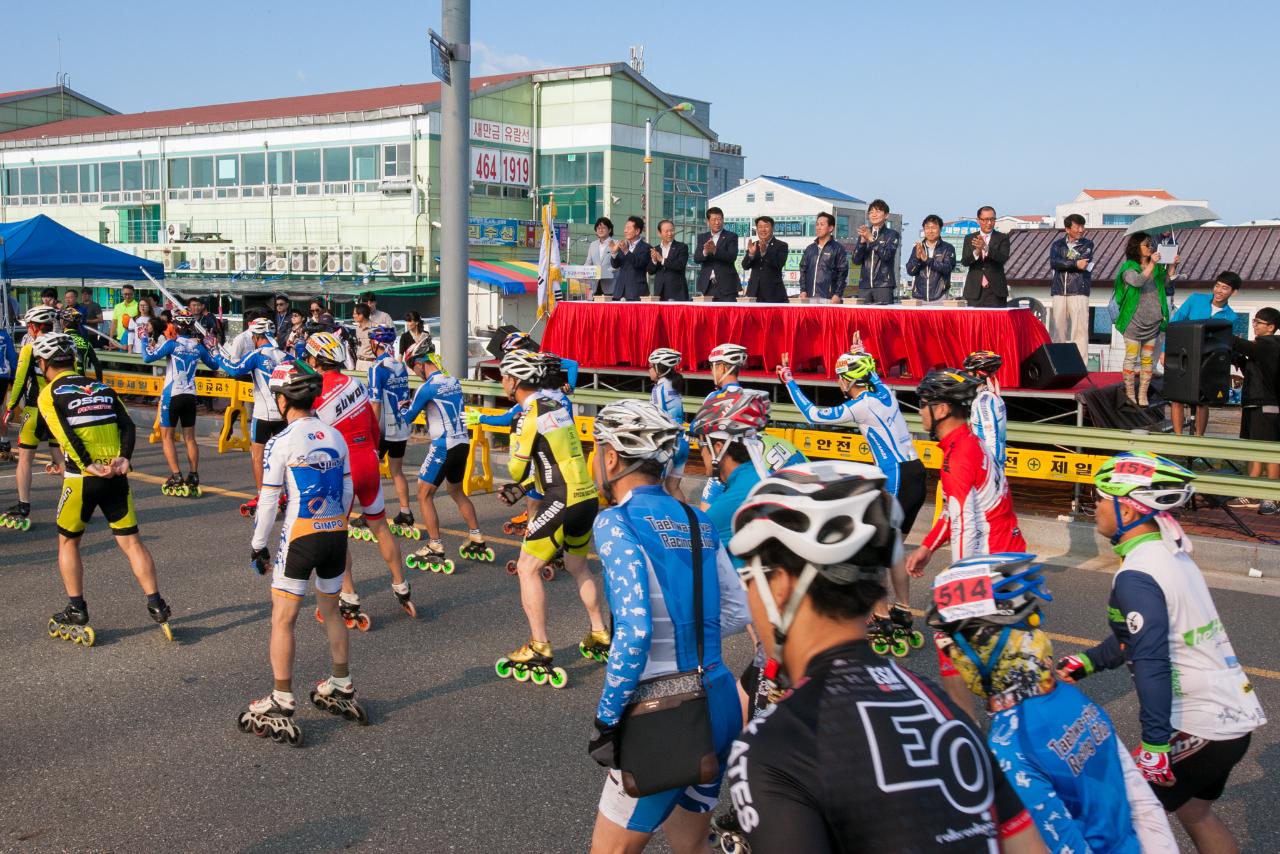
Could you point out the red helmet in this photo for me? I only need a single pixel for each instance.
(732, 414)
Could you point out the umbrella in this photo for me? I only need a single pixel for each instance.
(1172, 218)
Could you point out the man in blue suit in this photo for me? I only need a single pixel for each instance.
(630, 261)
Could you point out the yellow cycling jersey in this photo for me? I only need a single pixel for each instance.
(27, 380)
(547, 454)
(87, 419)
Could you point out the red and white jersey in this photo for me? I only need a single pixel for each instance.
(978, 518)
(344, 403)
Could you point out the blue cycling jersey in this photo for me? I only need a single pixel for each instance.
(725, 502)
(8, 355)
(389, 388)
(259, 363)
(440, 396)
(989, 421)
(185, 356)
(1061, 754)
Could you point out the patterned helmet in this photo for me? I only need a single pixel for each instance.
(1017, 586)
(855, 367)
(421, 351)
(732, 415)
(298, 383)
(54, 346)
(984, 363)
(519, 341)
(40, 315)
(948, 386)
(665, 360)
(383, 334)
(733, 355)
(524, 365)
(70, 317)
(637, 430)
(1149, 480)
(183, 321)
(327, 347)
(261, 326)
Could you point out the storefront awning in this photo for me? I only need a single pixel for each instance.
(511, 277)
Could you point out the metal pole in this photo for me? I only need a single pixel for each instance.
(648, 161)
(455, 189)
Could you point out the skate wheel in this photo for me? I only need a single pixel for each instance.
(417, 535)
(26, 524)
(87, 636)
(447, 567)
(548, 572)
(538, 677)
(507, 528)
(319, 616)
(502, 668)
(292, 737)
(244, 511)
(168, 632)
(558, 678)
(582, 648)
(511, 567)
(489, 555)
(363, 623)
(916, 640)
(243, 723)
(900, 649)
(520, 672)
(880, 647)
(409, 609)
(358, 714)
(53, 629)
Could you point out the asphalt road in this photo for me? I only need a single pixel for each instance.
(132, 745)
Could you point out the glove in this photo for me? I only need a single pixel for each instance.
(784, 373)
(261, 561)
(510, 493)
(603, 745)
(473, 417)
(1073, 668)
(1153, 763)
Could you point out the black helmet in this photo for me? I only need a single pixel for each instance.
(297, 383)
(984, 363)
(949, 386)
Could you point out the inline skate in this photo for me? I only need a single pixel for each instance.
(17, 517)
(351, 615)
(403, 526)
(728, 834)
(192, 485)
(516, 526)
(270, 717)
(403, 599)
(72, 624)
(532, 662)
(883, 636)
(475, 548)
(548, 571)
(250, 508)
(340, 700)
(358, 529)
(6, 453)
(430, 557)
(903, 629)
(595, 645)
(175, 486)
(160, 613)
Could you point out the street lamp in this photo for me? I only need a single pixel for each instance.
(682, 107)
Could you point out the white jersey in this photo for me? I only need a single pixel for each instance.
(989, 421)
(310, 458)
(439, 399)
(389, 388)
(258, 365)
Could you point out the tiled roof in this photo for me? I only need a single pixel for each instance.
(18, 92)
(812, 188)
(1113, 194)
(1253, 251)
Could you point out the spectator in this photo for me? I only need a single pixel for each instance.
(668, 262)
(283, 316)
(363, 323)
(765, 259)
(824, 268)
(315, 310)
(599, 254)
(877, 253)
(126, 308)
(717, 252)
(215, 334)
(92, 311)
(1196, 308)
(630, 259)
(1260, 397)
(1071, 258)
(414, 331)
(71, 299)
(138, 334)
(296, 332)
(376, 317)
(1142, 312)
(985, 252)
(49, 297)
(931, 263)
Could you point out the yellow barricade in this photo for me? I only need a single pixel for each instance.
(478, 476)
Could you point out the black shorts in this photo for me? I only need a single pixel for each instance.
(394, 450)
(178, 411)
(81, 495)
(1200, 767)
(264, 430)
(441, 465)
(910, 492)
(1259, 425)
(554, 527)
(325, 554)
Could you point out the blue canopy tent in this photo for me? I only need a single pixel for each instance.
(41, 248)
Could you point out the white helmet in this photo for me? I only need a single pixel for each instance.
(327, 347)
(56, 346)
(421, 351)
(733, 355)
(637, 430)
(261, 326)
(40, 315)
(665, 360)
(524, 365)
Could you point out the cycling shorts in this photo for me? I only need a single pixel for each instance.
(178, 411)
(911, 492)
(324, 554)
(394, 450)
(33, 430)
(1200, 767)
(81, 495)
(366, 480)
(681, 458)
(441, 464)
(554, 527)
(263, 430)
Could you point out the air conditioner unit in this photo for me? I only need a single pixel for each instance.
(298, 260)
(240, 261)
(352, 258)
(175, 231)
(252, 260)
(314, 260)
(391, 186)
(381, 262)
(333, 259)
(400, 260)
(222, 259)
(274, 260)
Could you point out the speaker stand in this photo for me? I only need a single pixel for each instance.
(1219, 503)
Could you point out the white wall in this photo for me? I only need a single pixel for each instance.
(1093, 209)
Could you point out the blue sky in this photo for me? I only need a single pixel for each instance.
(935, 107)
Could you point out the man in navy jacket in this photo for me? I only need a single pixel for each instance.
(877, 252)
(717, 251)
(630, 262)
(765, 259)
(1071, 258)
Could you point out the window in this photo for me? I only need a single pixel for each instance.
(571, 169)
(280, 167)
(110, 177)
(49, 180)
(253, 169)
(395, 161)
(306, 166)
(751, 198)
(842, 226)
(595, 167)
(133, 174)
(202, 171)
(1118, 219)
(89, 178)
(228, 170)
(151, 174)
(768, 197)
(337, 164)
(180, 173)
(28, 181)
(68, 179)
(364, 162)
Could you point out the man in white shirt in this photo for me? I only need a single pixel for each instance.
(376, 318)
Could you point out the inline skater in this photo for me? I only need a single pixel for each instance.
(873, 407)
(308, 458)
(22, 403)
(389, 395)
(178, 399)
(547, 454)
(1198, 709)
(1058, 749)
(989, 419)
(72, 322)
(8, 365)
(440, 399)
(663, 365)
(258, 364)
(660, 598)
(344, 404)
(95, 431)
(725, 426)
(862, 754)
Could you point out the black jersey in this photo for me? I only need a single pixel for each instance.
(865, 755)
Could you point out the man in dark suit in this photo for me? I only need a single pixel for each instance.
(765, 259)
(717, 251)
(667, 263)
(630, 259)
(985, 252)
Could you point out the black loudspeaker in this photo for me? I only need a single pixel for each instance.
(495, 340)
(1197, 361)
(1053, 366)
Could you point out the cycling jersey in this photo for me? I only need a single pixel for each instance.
(88, 421)
(665, 397)
(990, 423)
(8, 355)
(86, 356)
(865, 755)
(258, 364)
(978, 518)
(389, 388)
(440, 397)
(27, 379)
(185, 356)
(875, 411)
(725, 503)
(1166, 628)
(344, 403)
(768, 454)
(546, 453)
(509, 417)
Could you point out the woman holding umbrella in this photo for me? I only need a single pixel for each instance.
(1140, 310)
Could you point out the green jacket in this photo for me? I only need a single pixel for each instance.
(1126, 296)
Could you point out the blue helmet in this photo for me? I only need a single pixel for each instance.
(383, 334)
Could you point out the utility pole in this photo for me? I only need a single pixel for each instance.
(455, 185)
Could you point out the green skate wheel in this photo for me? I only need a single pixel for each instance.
(582, 648)
(417, 534)
(880, 646)
(502, 668)
(899, 649)
(538, 677)
(26, 524)
(916, 640)
(489, 555)
(521, 672)
(447, 566)
(408, 562)
(559, 678)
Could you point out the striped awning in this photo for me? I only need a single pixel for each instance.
(512, 277)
